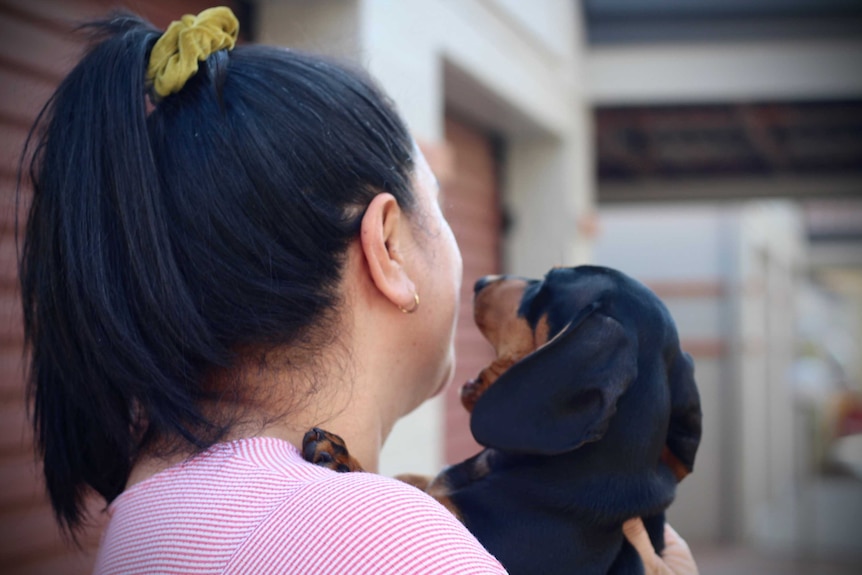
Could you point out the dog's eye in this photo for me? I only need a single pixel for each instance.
(535, 301)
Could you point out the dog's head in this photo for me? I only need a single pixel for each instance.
(573, 350)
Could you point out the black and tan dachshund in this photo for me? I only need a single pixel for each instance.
(589, 415)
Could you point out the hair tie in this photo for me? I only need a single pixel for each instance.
(175, 56)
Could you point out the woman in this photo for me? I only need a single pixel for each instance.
(224, 249)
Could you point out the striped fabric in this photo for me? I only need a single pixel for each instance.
(255, 506)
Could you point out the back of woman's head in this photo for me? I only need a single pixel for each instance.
(163, 240)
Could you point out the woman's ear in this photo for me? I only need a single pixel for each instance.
(381, 235)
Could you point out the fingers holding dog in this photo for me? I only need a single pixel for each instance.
(676, 558)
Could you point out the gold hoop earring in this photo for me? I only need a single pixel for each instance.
(415, 304)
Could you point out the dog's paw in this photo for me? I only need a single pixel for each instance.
(473, 389)
(420, 482)
(328, 450)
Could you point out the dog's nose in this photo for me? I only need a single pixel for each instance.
(483, 282)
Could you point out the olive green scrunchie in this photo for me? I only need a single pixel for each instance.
(175, 55)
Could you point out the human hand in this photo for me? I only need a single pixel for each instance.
(676, 559)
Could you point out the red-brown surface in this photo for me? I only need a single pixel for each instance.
(471, 204)
(37, 49)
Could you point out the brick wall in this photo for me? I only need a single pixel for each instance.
(37, 49)
(471, 204)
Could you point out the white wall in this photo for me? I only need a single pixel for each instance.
(771, 254)
(732, 270)
(515, 69)
(764, 498)
(521, 84)
(321, 26)
(686, 246)
(508, 72)
(754, 71)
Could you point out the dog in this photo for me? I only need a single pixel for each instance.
(589, 416)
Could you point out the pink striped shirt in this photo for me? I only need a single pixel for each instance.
(255, 506)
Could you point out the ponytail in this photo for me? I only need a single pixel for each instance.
(95, 267)
(160, 246)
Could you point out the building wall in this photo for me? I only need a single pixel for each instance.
(725, 72)
(748, 398)
(329, 27)
(510, 69)
(471, 203)
(36, 51)
(727, 274)
(682, 253)
(771, 256)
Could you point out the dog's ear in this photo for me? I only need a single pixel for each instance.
(563, 394)
(683, 436)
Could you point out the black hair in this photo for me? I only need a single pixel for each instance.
(162, 240)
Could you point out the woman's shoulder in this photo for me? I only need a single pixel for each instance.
(255, 506)
(362, 523)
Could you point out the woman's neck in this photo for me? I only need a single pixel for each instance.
(354, 408)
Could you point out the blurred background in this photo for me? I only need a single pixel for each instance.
(710, 148)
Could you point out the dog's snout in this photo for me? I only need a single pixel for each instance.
(484, 282)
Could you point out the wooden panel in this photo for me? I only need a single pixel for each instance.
(22, 483)
(688, 289)
(36, 535)
(59, 10)
(727, 140)
(11, 145)
(11, 317)
(11, 368)
(15, 435)
(37, 50)
(22, 95)
(8, 263)
(471, 204)
(704, 348)
(37, 43)
(80, 563)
